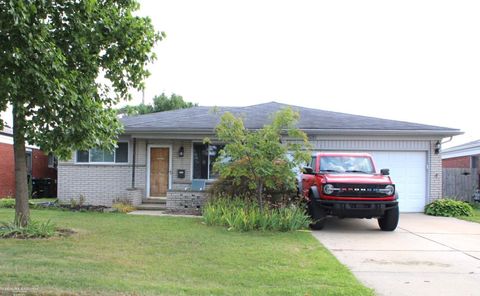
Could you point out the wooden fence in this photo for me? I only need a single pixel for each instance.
(460, 183)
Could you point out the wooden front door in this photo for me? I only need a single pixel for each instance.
(159, 171)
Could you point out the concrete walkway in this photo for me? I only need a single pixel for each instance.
(425, 256)
(160, 213)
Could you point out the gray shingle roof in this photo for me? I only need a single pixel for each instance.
(465, 146)
(204, 119)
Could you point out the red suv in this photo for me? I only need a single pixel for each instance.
(346, 185)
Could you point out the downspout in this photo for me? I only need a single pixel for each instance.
(134, 161)
(147, 171)
(449, 140)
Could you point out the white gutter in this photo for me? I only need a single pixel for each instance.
(442, 133)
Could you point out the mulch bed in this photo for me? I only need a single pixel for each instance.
(76, 208)
(193, 212)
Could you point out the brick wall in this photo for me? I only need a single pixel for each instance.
(101, 184)
(182, 163)
(98, 184)
(7, 171)
(463, 162)
(177, 200)
(435, 170)
(40, 167)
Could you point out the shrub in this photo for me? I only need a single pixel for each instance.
(74, 203)
(7, 203)
(258, 160)
(278, 196)
(10, 203)
(245, 215)
(123, 207)
(34, 229)
(448, 208)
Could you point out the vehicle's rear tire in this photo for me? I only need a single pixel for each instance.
(318, 216)
(389, 221)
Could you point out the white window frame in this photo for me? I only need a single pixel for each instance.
(208, 161)
(170, 167)
(105, 162)
(52, 161)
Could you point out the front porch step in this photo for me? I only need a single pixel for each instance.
(152, 207)
(154, 201)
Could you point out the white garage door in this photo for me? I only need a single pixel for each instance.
(409, 173)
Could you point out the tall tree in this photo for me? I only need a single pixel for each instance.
(160, 103)
(63, 66)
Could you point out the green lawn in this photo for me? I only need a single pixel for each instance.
(474, 218)
(117, 253)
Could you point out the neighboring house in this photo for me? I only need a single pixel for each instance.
(39, 165)
(465, 156)
(460, 165)
(161, 153)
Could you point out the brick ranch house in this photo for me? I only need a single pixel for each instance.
(465, 156)
(39, 164)
(161, 153)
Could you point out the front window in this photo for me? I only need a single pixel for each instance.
(95, 155)
(52, 161)
(204, 156)
(99, 155)
(346, 164)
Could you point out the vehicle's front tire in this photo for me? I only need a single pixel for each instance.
(318, 216)
(389, 221)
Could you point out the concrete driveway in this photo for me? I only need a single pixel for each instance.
(425, 256)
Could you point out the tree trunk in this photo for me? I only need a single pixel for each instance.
(22, 211)
(260, 195)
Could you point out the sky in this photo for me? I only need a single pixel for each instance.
(416, 61)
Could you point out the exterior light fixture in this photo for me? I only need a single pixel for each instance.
(438, 146)
(181, 151)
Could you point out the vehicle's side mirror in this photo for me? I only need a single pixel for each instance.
(308, 170)
(385, 172)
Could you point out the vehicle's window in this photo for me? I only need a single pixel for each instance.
(342, 164)
(313, 163)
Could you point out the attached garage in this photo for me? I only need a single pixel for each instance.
(412, 163)
(409, 172)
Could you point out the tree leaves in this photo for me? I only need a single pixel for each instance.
(64, 64)
(160, 103)
(261, 156)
